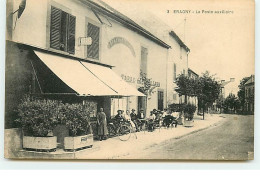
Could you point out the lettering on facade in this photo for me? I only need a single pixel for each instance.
(84, 139)
(121, 40)
(131, 79)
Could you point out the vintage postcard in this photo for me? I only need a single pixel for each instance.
(130, 79)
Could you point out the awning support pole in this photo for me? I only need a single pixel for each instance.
(36, 76)
(118, 102)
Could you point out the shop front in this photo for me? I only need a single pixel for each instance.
(47, 75)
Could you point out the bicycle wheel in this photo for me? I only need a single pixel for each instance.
(111, 130)
(124, 132)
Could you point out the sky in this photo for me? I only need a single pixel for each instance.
(223, 44)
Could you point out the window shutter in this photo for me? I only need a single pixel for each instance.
(174, 72)
(55, 28)
(144, 53)
(71, 34)
(93, 49)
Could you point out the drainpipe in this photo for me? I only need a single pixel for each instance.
(188, 61)
(167, 58)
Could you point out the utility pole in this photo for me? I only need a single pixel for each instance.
(184, 29)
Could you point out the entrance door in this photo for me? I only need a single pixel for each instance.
(141, 103)
(160, 100)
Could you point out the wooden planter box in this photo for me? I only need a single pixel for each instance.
(180, 120)
(40, 143)
(188, 123)
(78, 142)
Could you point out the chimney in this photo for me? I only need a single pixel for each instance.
(232, 79)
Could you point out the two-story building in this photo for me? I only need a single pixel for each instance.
(77, 50)
(250, 95)
(177, 62)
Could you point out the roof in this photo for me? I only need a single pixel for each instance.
(107, 10)
(177, 38)
(251, 80)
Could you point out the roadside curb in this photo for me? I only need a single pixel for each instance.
(198, 130)
(220, 122)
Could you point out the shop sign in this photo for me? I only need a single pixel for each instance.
(131, 79)
(121, 40)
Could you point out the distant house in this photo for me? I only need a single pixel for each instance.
(228, 87)
(249, 94)
(192, 74)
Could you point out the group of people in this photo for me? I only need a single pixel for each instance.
(137, 121)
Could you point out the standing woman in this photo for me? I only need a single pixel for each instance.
(102, 124)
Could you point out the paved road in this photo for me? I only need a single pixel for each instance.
(231, 140)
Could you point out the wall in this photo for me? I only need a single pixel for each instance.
(126, 63)
(33, 29)
(12, 143)
(18, 76)
(180, 58)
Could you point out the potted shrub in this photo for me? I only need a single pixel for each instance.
(77, 120)
(178, 108)
(189, 111)
(37, 119)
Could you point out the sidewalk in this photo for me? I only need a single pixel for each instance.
(114, 148)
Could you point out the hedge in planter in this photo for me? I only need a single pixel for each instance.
(37, 119)
(76, 118)
(189, 111)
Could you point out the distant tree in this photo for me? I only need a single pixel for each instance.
(220, 102)
(241, 92)
(207, 90)
(186, 86)
(231, 103)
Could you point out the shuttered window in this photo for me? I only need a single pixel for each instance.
(93, 49)
(62, 31)
(143, 64)
(174, 72)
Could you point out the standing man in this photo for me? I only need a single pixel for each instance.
(102, 124)
(133, 116)
(141, 114)
(164, 114)
(141, 117)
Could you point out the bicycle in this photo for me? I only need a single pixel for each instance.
(122, 130)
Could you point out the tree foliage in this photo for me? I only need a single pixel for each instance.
(206, 88)
(231, 103)
(186, 86)
(241, 92)
(147, 88)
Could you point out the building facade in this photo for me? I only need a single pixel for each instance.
(177, 60)
(250, 95)
(49, 41)
(193, 99)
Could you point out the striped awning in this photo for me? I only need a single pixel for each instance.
(85, 78)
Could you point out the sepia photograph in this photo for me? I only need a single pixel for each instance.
(130, 80)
